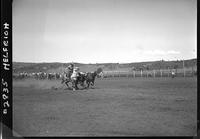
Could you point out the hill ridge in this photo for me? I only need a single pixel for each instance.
(59, 66)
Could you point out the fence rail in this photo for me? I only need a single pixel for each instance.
(150, 73)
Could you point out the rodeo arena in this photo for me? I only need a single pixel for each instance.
(105, 100)
(74, 76)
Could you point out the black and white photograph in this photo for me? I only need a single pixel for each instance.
(104, 68)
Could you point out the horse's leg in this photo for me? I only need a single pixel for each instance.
(66, 82)
(76, 84)
(88, 84)
(73, 85)
(62, 81)
(82, 84)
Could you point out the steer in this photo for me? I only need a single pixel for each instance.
(82, 78)
(90, 78)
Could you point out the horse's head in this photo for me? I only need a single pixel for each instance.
(95, 73)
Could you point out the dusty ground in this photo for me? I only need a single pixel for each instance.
(114, 107)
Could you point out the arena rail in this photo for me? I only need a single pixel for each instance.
(187, 72)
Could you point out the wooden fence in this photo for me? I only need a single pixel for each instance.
(151, 73)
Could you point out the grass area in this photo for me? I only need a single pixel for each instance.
(113, 107)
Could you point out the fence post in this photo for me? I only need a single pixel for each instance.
(141, 73)
(154, 73)
(168, 71)
(161, 73)
(183, 68)
(192, 71)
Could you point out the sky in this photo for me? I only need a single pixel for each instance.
(104, 31)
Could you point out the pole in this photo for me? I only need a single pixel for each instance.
(161, 72)
(168, 71)
(62, 68)
(183, 68)
(192, 70)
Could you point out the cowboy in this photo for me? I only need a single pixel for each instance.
(69, 70)
(75, 73)
(74, 78)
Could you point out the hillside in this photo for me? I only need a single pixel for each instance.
(59, 67)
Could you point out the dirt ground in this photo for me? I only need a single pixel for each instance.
(113, 107)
